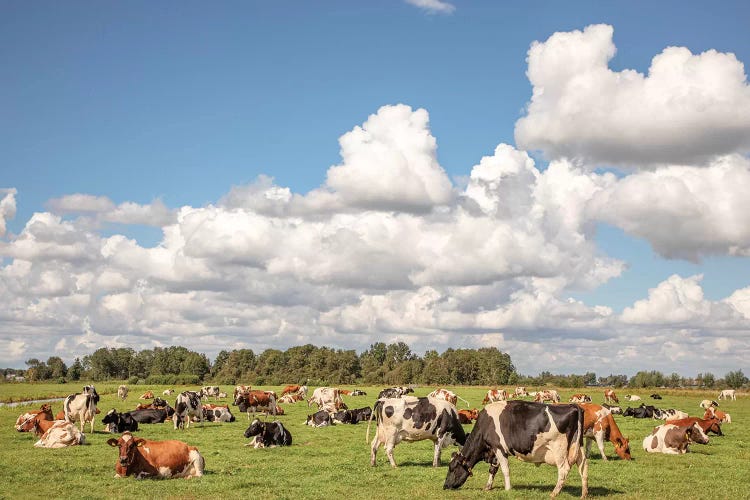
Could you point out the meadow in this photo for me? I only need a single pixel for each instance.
(334, 461)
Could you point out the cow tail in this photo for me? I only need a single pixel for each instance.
(575, 449)
(66, 408)
(375, 414)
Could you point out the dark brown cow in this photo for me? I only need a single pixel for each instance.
(467, 416)
(162, 459)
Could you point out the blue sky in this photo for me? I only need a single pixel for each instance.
(180, 102)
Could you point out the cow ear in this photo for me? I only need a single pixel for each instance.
(112, 442)
(140, 442)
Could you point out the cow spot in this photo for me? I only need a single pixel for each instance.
(407, 413)
(389, 411)
(654, 443)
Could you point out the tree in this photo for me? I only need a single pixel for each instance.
(76, 370)
(57, 367)
(735, 379)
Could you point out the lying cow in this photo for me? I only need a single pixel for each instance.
(150, 416)
(706, 424)
(394, 392)
(674, 439)
(147, 395)
(712, 412)
(614, 410)
(669, 414)
(467, 416)
(643, 411)
(167, 392)
(209, 391)
(520, 392)
(290, 398)
(319, 419)
(119, 422)
(655, 396)
(357, 392)
(159, 459)
(415, 419)
(43, 413)
(550, 395)
(60, 435)
(632, 397)
(214, 413)
(707, 403)
(531, 432)
(598, 425)
(580, 398)
(495, 395)
(268, 434)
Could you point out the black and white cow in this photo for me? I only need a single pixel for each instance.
(119, 422)
(394, 392)
(357, 392)
(319, 419)
(669, 414)
(210, 391)
(342, 417)
(414, 419)
(82, 406)
(218, 414)
(187, 405)
(149, 416)
(268, 434)
(614, 410)
(531, 432)
(361, 414)
(655, 396)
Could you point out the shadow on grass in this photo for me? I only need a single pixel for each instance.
(594, 491)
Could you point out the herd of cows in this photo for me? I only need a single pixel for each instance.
(509, 425)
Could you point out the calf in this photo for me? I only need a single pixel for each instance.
(531, 432)
(319, 419)
(580, 398)
(707, 425)
(467, 416)
(598, 425)
(158, 459)
(61, 434)
(268, 434)
(187, 405)
(415, 419)
(495, 395)
(674, 439)
(119, 422)
(82, 406)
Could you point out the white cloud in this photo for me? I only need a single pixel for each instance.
(7, 207)
(102, 209)
(433, 6)
(688, 109)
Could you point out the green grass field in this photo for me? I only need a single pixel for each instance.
(334, 461)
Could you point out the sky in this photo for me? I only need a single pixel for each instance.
(565, 181)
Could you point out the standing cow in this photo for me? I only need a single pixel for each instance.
(415, 419)
(610, 397)
(328, 399)
(122, 392)
(187, 405)
(494, 395)
(531, 432)
(728, 394)
(82, 406)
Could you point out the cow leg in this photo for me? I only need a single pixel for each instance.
(600, 443)
(588, 446)
(374, 450)
(436, 455)
(583, 470)
(503, 461)
(563, 467)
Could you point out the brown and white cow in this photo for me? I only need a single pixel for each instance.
(414, 419)
(520, 392)
(712, 412)
(467, 416)
(43, 413)
(598, 425)
(550, 395)
(256, 401)
(531, 432)
(707, 425)
(167, 392)
(580, 398)
(610, 397)
(328, 399)
(60, 435)
(82, 406)
(239, 390)
(495, 395)
(210, 391)
(674, 439)
(290, 389)
(122, 392)
(290, 398)
(158, 459)
(147, 395)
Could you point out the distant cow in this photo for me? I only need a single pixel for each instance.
(580, 398)
(82, 406)
(187, 405)
(158, 459)
(319, 419)
(239, 390)
(632, 397)
(415, 419)
(43, 413)
(394, 392)
(707, 425)
(547, 395)
(728, 394)
(712, 412)
(327, 398)
(149, 416)
(167, 392)
(532, 432)
(598, 425)
(256, 401)
(615, 410)
(467, 416)
(147, 395)
(209, 391)
(268, 434)
(656, 396)
(643, 411)
(119, 422)
(673, 439)
(60, 435)
(520, 392)
(669, 414)
(610, 396)
(214, 413)
(122, 392)
(357, 392)
(290, 389)
(706, 403)
(290, 398)
(495, 395)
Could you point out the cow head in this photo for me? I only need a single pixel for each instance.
(128, 444)
(622, 448)
(459, 470)
(91, 391)
(111, 417)
(696, 434)
(256, 428)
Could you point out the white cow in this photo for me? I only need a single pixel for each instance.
(728, 394)
(60, 435)
(82, 406)
(122, 392)
(327, 398)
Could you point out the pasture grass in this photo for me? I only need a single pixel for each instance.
(334, 462)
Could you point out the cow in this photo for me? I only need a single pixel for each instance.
(615, 410)
(328, 399)
(495, 395)
(707, 425)
(632, 397)
(361, 414)
(394, 392)
(706, 403)
(122, 392)
(158, 459)
(414, 419)
(167, 392)
(467, 416)
(547, 395)
(669, 414)
(268, 434)
(82, 406)
(290, 389)
(673, 439)
(187, 405)
(655, 396)
(532, 432)
(222, 395)
(61, 434)
(342, 417)
(580, 398)
(610, 396)
(119, 422)
(239, 390)
(357, 392)
(728, 394)
(149, 416)
(345, 392)
(712, 412)
(147, 395)
(290, 398)
(43, 413)
(643, 411)
(255, 401)
(319, 419)
(598, 425)
(214, 413)
(520, 392)
(209, 391)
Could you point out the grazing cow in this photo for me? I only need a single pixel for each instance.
(655, 396)
(290, 389)
(82, 406)
(707, 403)
(167, 392)
(357, 392)
(394, 392)
(674, 439)
(615, 410)
(632, 397)
(214, 413)
(445, 395)
(520, 392)
(255, 401)
(268, 434)
(149, 416)
(319, 419)
(327, 398)
(415, 419)
(494, 395)
(610, 396)
(147, 395)
(598, 425)
(43, 413)
(712, 424)
(119, 422)
(532, 432)
(122, 392)
(290, 398)
(209, 391)
(712, 412)
(187, 405)
(60, 435)
(643, 411)
(580, 398)
(467, 416)
(158, 459)
(728, 394)
(547, 395)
